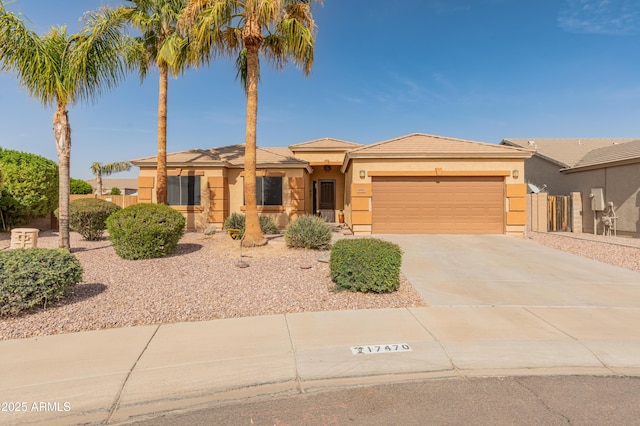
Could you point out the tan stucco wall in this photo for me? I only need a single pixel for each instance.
(515, 202)
(280, 214)
(620, 186)
(321, 156)
(334, 174)
(196, 216)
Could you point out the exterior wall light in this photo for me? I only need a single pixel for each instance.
(362, 174)
(515, 173)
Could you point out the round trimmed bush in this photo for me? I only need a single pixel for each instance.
(308, 231)
(35, 276)
(145, 231)
(365, 265)
(87, 216)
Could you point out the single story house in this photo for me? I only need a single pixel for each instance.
(562, 166)
(127, 186)
(417, 183)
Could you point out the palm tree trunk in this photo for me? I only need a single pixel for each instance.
(62, 133)
(99, 183)
(161, 168)
(253, 234)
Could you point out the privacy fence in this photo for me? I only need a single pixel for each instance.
(555, 213)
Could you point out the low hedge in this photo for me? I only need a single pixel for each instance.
(366, 265)
(87, 216)
(35, 276)
(145, 231)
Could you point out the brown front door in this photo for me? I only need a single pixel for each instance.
(438, 205)
(327, 200)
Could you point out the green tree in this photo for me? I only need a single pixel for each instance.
(79, 186)
(167, 50)
(115, 191)
(30, 186)
(60, 69)
(280, 30)
(99, 169)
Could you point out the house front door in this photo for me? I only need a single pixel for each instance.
(327, 200)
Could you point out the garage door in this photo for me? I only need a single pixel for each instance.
(438, 205)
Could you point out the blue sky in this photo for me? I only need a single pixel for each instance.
(482, 70)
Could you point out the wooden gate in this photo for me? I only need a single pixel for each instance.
(559, 213)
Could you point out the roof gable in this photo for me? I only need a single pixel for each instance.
(420, 145)
(324, 144)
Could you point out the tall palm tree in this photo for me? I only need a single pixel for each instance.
(99, 169)
(280, 30)
(167, 50)
(59, 69)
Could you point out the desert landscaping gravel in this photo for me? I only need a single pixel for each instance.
(202, 282)
(618, 251)
(199, 282)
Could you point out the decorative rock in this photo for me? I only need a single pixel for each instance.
(242, 264)
(325, 257)
(210, 230)
(305, 266)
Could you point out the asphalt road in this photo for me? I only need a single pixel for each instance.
(557, 400)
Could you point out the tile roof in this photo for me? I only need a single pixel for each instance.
(227, 156)
(420, 145)
(628, 151)
(566, 152)
(324, 144)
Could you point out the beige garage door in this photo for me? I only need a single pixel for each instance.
(438, 205)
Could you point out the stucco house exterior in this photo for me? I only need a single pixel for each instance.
(566, 165)
(127, 186)
(416, 183)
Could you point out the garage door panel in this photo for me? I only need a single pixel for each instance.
(438, 205)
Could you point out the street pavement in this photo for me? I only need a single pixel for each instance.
(492, 313)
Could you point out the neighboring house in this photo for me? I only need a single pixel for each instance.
(416, 183)
(126, 186)
(562, 166)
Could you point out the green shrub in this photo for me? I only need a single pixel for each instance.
(30, 186)
(238, 221)
(115, 191)
(79, 186)
(234, 221)
(365, 265)
(34, 276)
(268, 225)
(144, 231)
(308, 231)
(87, 216)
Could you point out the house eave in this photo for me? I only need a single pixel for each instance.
(598, 166)
(524, 154)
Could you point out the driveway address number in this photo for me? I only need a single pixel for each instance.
(380, 349)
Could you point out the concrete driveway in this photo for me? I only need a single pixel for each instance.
(497, 270)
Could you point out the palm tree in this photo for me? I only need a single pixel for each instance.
(59, 69)
(280, 30)
(167, 49)
(99, 169)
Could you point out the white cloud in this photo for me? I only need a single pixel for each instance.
(606, 17)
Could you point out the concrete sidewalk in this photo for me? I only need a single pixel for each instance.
(114, 376)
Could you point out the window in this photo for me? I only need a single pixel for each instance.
(183, 190)
(269, 190)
